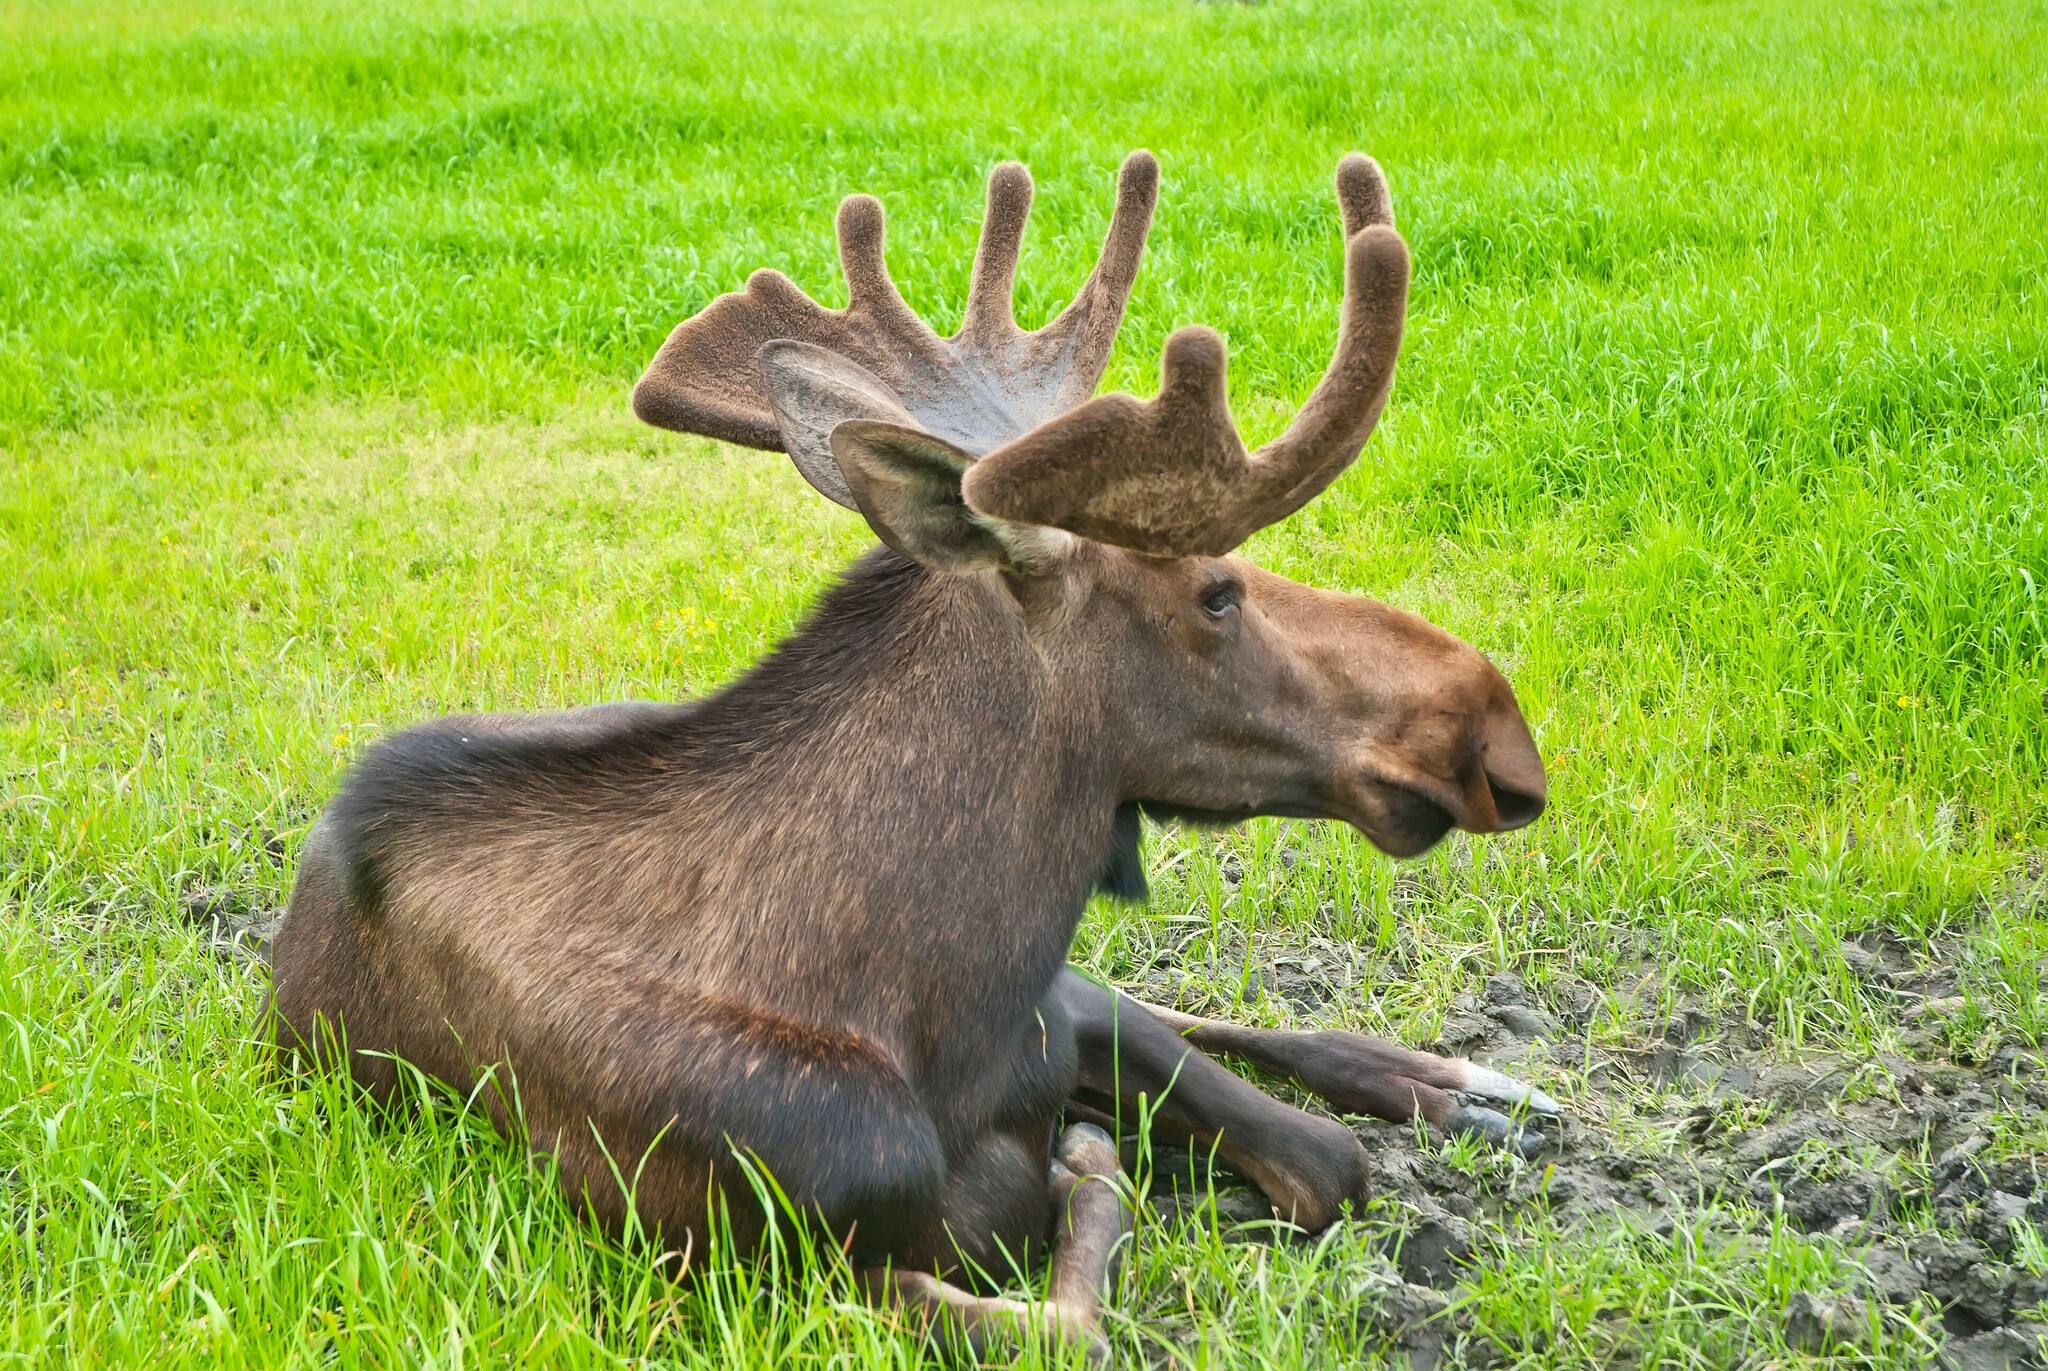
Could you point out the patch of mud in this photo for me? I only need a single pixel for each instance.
(1920, 1167)
(233, 925)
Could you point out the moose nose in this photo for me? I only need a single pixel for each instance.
(1514, 770)
(1512, 805)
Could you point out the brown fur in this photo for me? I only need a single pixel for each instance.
(818, 921)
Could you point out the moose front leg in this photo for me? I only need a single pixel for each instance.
(1308, 1166)
(1091, 1217)
(1357, 1074)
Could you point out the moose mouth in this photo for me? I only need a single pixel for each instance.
(1412, 821)
(1410, 824)
(1398, 821)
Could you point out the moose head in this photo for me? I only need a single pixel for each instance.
(1102, 529)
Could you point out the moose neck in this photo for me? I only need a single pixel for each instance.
(932, 776)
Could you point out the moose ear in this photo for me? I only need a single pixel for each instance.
(906, 483)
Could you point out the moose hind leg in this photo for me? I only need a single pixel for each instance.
(1092, 1217)
(1358, 1074)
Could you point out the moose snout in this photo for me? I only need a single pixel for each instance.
(1487, 778)
(1454, 751)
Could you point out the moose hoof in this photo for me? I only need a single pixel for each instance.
(1496, 1128)
(1086, 1150)
(1502, 1088)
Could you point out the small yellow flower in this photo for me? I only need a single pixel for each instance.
(1909, 702)
(341, 740)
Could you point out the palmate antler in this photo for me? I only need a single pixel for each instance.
(770, 368)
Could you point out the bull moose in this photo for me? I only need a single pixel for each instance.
(818, 922)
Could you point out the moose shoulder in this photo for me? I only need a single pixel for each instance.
(819, 920)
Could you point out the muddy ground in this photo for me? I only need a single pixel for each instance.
(1926, 1169)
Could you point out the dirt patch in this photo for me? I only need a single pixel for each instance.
(233, 925)
(1923, 1168)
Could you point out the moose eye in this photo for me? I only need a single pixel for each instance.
(1221, 600)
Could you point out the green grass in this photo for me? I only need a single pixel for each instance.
(1720, 426)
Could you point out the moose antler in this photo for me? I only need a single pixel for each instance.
(1170, 475)
(770, 368)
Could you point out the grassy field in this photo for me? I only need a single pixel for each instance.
(1722, 426)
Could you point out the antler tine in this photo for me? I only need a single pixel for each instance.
(707, 378)
(870, 290)
(1331, 428)
(1097, 310)
(1362, 196)
(990, 290)
(1170, 476)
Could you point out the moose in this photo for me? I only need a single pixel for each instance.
(818, 922)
